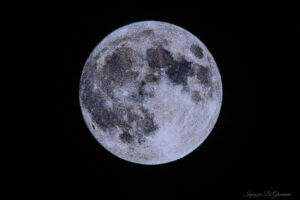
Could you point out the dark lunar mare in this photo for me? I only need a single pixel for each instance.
(116, 72)
(204, 75)
(178, 70)
(158, 57)
(197, 51)
(126, 137)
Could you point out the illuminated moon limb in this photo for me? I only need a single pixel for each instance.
(150, 92)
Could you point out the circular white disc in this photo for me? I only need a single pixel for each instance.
(150, 92)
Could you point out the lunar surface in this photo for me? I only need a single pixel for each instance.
(150, 92)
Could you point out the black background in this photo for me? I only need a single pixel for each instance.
(237, 157)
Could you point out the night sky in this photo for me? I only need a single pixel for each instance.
(237, 157)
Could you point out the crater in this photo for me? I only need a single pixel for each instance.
(196, 96)
(147, 124)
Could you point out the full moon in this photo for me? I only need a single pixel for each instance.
(150, 92)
